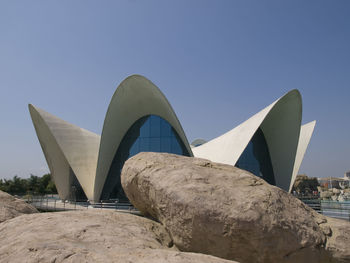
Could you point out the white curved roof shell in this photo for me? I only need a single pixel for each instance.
(70, 150)
(280, 122)
(306, 132)
(134, 98)
(67, 148)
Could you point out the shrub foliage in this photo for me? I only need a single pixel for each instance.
(34, 185)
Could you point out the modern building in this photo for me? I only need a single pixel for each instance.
(334, 182)
(84, 165)
(347, 175)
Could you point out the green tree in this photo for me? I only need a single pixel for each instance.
(48, 184)
(51, 188)
(304, 184)
(33, 185)
(14, 186)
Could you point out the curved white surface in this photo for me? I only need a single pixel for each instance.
(280, 123)
(306, 132)
(134, 98)
(71, 151)
(57, 162)
(67, 146)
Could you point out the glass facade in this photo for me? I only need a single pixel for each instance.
(256, 158)
(76, 191)
(148, 134)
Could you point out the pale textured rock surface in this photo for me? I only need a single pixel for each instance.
(221, 210)
(11, 207)
(338, 241)
(89, 236)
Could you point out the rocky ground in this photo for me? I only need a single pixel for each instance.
(90, 236)
(195, 211)
(11, 207)
(335, 194)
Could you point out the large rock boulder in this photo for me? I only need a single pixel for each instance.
(90, 236)
(224, 211)
(11, 207)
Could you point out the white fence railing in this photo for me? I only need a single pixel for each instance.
(334, 209)
(49, 203)
(329, 208)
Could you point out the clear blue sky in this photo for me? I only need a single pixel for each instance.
(217, 62)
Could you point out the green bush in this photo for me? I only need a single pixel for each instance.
(34, 185)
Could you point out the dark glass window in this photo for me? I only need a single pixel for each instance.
(76, 191)
(149, 134)
(256, 158)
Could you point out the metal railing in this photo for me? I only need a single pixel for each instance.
(336, 209)
(52, 204)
